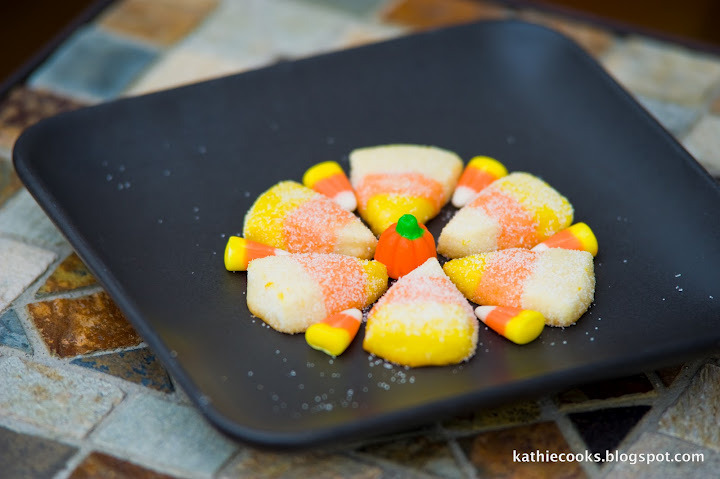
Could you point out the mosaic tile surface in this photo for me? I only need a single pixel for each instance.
(161, 22)
(25, 456)
(97, 465)
(627, 387)
(492, 452)
(664, 72)
(520, 412)
(61, 401)
(164, 433)
(676, 119)
(424, 14)
(93, 65)
(654, 443)
(139, 366)
(12, 333)
(715, 106)
(355, 7)
(594, 40)
(253, 463)
(70, 275)
(9, 182)
(21, 265)
(703, 142)
(419, 453)
(696, 414)
(82, 325)
(21, 216)
(604, 429)
(24, 107)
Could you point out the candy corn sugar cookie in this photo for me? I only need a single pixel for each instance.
(291, 292)
(329, 179)
(297, 219)
(334, 334)
(579, 236)
(558, 283)
(393, 180)
(240, 251)
(518, 210)
(423, 320)
(479, 173)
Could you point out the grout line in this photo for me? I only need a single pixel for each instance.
(462, 461)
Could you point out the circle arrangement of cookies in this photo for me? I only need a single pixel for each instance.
(313, 265)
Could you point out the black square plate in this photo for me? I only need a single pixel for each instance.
(148, 189)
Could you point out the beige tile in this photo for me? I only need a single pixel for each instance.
(703, 142)
(594, 40)
(20, 266)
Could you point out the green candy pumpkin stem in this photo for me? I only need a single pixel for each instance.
(408, 227)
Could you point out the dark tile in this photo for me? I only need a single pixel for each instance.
(492, 452)
(420, 453)
(12, 333)
(424, 14)
(70, 327)
(668, 375)
(71, 274)
(9, 182)
(25, 456)
(24, 107)
(604, 429)
(520, 412)
(631, 386)
(99, 465)
(139, 366)
(93, 64)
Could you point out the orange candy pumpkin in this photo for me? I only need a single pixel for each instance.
(404, 246)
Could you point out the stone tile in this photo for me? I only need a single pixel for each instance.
(664, 72)
(21, 266)
(696, 414)
(138, 366)
(170, 435)
(183, 66)
(355, 7)
(160, 22)
(653, 443)
(25, 456)
(12, 333)
(668, 375)
(365, 34)
(604, 429)
(70, 275)
(676, 119)
(630, 387)
(594, 40)
(419, 453)
(93, 65)
(520, 412)
(9, 182)
(703, 142)
(24, 107)
(21, 216)
(62, 401)
(70, 327)
(492, 452)
(254, 463)
(425, 14)
(97, 465)
(715, 106)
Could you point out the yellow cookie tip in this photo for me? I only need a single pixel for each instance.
(235, 254)
(325, 338)
(525, 327)
(465, 273)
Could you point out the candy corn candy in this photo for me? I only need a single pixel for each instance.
(393, 180)
(518, 325)
(579, 236)
(558, 283)
(518, 210)
(240, 251)
(291, 292)
(334, 334)
(329, 179)
(297, 219)
(479, 173)
(422, 320)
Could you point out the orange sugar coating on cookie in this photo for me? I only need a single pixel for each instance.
(405, 184)
(429, 289)
(313, 226)
(505, 276)
(517, 224)
(341, 279)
